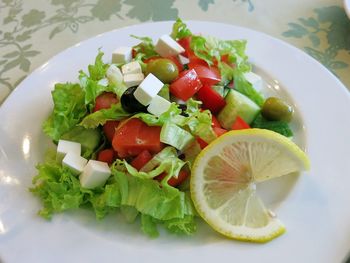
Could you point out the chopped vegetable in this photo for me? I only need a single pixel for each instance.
(144, 132)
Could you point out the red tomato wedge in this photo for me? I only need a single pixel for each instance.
(174, 181)
(215, 122)
(201, 142)
(186, 85)
(134, 136)
(106, 156)
(240, 124)
(141, 159)
(211, 99)
(109, 129)
(219, 131)
(105, 101)
(207, 75)
(185, 43)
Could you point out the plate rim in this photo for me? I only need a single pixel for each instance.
(315, 62)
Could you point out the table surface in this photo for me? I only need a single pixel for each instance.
(31, 32)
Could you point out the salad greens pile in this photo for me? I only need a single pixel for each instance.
(132, 192)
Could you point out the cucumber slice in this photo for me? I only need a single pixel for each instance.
(237, 104)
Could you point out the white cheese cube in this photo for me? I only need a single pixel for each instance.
(122, 55)
(65, 147)
(131, 80)
(166, 46)
(255, 80)
(183, 60)
(148, 89)
(114, 75)
(94, 174)
(158, 106)
(74, 162)
(103, 82)
(132, 68)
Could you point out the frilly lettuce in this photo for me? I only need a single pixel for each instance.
(69, 109)
(93, 120)
(180, 30)
(60, 190)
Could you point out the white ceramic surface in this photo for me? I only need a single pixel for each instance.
(315, 209)
(347, 7)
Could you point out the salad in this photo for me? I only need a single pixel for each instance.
(128, 133)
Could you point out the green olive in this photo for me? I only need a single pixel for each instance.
(164, 69)
(275, 109)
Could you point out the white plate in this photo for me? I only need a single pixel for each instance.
(347, 7)
(315, 207)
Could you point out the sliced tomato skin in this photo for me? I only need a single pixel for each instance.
(109, 129)
(185, 43)
(105, 101)
(215, 122)
(186, 85)
(141, 159)
(219, 131)
(201, 142)
(107, 156)
(207, 75)
(211, 99)
(133, 136)
(174, 181)
(240, 124)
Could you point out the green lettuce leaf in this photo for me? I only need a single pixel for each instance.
(98, 70)
(69, 109)
(276, 126)
(115, 112)
(180, 30)
(58, 189)
(146, 47)
(90, 139)
(149, 226)
(165, 161)
(161, 203)
(246, 88)
(172, 114)
(130, 213)
(197, 122)
(106, 200)
(175, 136)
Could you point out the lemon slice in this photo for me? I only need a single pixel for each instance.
(223, 181)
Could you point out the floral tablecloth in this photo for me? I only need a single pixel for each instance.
(31, 32)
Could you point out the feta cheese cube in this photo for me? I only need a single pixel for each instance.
(74, 162)
(183, 60)
(148, 89)
(114, 75)
(131, 80)
(122, 55)
(166, 46)
(103, 82)
(65, 147)
(132, 68)
(94, 174)
(158, 106)
(255, 80)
